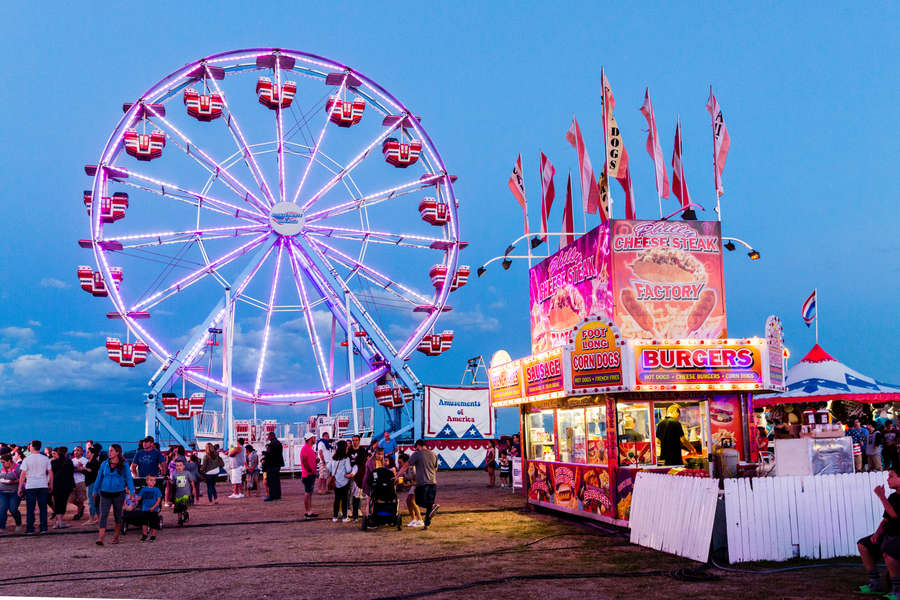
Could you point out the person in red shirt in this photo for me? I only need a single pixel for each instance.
(308, 473)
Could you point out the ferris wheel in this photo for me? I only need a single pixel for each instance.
(289, 201)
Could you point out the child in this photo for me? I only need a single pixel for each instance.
(181, 486)
(151, 498)
(884, 542)
(131, 513)
(505, 470)
(405, 484)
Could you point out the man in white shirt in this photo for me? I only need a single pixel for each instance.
(79, 494)
(35, 484)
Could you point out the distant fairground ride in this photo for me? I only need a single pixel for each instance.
(256, 198)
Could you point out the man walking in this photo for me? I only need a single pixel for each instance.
(273, 460)
(358, 458)
(425, 463)
(873, 448)
(79, 493)
(36, 484)
(308, 473)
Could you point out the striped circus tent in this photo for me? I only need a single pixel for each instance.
(820, 377)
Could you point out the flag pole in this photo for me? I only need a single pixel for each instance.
(817, 314)
(527, 234)
(716, 168)
(609, 195)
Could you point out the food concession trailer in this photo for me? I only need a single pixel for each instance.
(631, 367)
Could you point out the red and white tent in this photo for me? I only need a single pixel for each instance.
(820, 377)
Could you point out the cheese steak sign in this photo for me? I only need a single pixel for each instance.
(596, 360)
(698, 364)
(543, 373)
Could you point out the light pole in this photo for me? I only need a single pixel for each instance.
(729, 245)
(507, 258)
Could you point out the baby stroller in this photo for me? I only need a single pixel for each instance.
(384, 508)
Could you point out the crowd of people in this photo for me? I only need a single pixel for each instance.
(97, 480)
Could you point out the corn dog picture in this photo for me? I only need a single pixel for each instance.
(701, 310)
(640, 314)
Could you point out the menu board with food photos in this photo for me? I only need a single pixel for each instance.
(576, 488)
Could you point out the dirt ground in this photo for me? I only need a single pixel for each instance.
(483, 543)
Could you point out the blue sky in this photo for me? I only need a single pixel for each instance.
(808, 97)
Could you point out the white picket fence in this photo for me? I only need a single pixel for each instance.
(674, 514)
(778, 518)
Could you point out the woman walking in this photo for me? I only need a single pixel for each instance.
(63, 483)
(9, 492)
(490, 461)
(342, 470)
(209, 468)
(112, 482)
(91, 469)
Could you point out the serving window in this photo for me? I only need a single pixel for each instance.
(539, 434)
(692, 418)
(571, 435)
(633, 424)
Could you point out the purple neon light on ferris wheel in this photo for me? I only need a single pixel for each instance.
(207, 212)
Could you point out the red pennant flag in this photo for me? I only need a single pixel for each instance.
(590, 193)
(547, 191)
(679, 185)
(517, 187)
(568, 219)
(654, 149)
(721, 140)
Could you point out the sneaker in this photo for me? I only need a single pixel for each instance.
(411, 524)
(144, 538)
(420, 523)
(347, 519)
(874, 590)
(63, 526)
(433, 510)
(152, 538)
(268, 499)
(234, 496)
(239, 496)
(334, 520)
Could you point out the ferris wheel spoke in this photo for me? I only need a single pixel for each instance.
(310, 324)
(333, 291)
(373, 199)
(315, 151)
(166, 189)
(207, 162)
(348, 168)
(373, 275)
(377, 237)
(246, 277)
(199, 274)
(163, 238)
(374, 333)
(265, 341)
(238, 135)
(279, 127)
